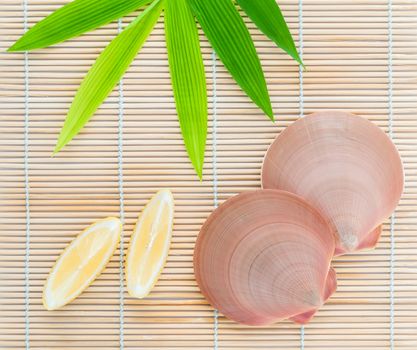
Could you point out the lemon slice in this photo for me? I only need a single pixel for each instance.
(149, 244)
(81, 262)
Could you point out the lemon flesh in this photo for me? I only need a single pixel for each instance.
(149, 245)
(81, 262)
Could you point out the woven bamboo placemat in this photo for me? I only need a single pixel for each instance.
(361, 56)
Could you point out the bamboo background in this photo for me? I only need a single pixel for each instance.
(361, 56)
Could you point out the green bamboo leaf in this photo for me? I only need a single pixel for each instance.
(73, 19)
(107, 71)
(231, 40)
(188, 78)
(267, 16)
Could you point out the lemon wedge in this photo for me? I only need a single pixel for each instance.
(81, 262)
(149, 245)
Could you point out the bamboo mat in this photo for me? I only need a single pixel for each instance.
(361, 56)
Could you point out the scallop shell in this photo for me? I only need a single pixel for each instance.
(330, 288)
(264, 256)
(343, 165)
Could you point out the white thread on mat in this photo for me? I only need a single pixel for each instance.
(215, 192)
(26, 175)
(391, 134)
(302, 337)
(301, 101)
(121, 205)
(300, 50)
(214, 164)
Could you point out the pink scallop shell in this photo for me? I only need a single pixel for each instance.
(264, 256)
(343, 165)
